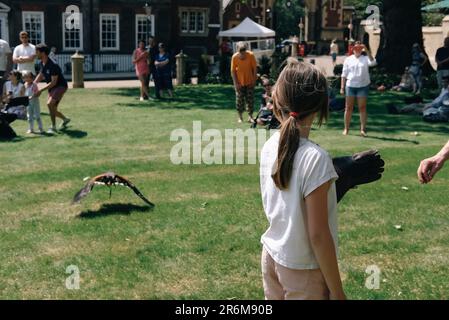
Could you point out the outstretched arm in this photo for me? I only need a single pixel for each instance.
(429, 167)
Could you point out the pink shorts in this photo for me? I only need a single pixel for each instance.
(281, 283)
(56, 94)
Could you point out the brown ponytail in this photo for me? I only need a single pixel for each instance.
(301, 89)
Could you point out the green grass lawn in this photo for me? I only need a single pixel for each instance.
(202, 239)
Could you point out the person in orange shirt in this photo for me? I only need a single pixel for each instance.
(244, 75)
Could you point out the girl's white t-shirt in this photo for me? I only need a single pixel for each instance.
(286, 239)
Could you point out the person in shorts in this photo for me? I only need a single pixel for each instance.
(56, 85)
(355, 82)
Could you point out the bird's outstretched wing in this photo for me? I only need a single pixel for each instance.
(87, 188)
(127, 183)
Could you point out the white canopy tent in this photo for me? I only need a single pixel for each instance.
(248, 29)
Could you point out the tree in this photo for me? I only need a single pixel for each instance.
(287, 17)
(402, 27)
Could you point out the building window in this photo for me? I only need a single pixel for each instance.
(193, 21)
(33, 23)
(333, 5)
(254, 3)
(144, 26)
(237, 7)
(110, 32)
(72, 38)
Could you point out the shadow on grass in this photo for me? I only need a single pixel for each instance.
(74, 134)
(379, 121)
(392, 139)
(210, 97)
(113, 209)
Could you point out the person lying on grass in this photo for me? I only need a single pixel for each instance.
(297, 177)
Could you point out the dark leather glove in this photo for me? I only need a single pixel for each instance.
(361, 168)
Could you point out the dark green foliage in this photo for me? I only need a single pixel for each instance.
(264, 66)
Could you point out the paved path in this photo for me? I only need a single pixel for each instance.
(323, 62)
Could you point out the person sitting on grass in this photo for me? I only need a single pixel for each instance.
(33, 109)
(266, 116)
(12, 89)
(406, 83)
(419, 108)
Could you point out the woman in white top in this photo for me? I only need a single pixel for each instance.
(356, 80)
(297, 179)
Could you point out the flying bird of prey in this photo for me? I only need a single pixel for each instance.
(108, 179)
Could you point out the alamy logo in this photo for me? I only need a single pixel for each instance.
(72, 282)
(373, 21)
(373, 280)
(211, 146)
(73, 18)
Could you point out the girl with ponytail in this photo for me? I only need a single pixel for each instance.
(297, 177)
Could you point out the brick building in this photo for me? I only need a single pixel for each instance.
(108, 30)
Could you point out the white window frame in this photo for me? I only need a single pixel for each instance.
(203, 13)
(333, 5)
(195, 13)
(144, 16)
(41, 14)
(187, 22)
(117, 35)
(81, 47)
(5, 26)
(254, 3)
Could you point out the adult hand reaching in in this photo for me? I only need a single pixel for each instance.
(430, 166)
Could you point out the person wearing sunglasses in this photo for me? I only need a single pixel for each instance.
(24, 54)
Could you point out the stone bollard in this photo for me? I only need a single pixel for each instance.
(180, 68)
(78, 70)
(295, 43)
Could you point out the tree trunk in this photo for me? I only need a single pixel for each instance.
(402, 27)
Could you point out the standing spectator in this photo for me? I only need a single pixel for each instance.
(225, 47)
(33, 109)
(442, 60)
(140, 60)
(334, 51)
(56, 86)
(5, 60)
(153, 51)
(163, 72)
(350, 48)
(25, 54)
(244, 76)
(355, 80)
(418, 60)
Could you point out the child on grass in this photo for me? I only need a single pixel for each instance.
(33, 109)
(297, 177)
